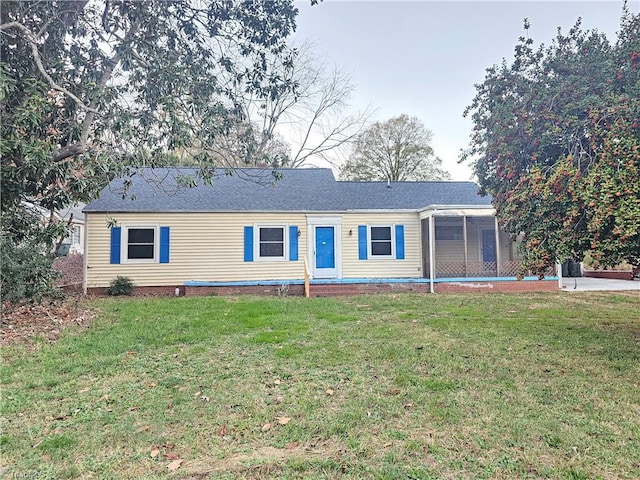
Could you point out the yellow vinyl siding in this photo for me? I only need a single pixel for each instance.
(209, 247)
(204, 247)
(381, 267)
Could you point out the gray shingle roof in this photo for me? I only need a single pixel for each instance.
(299, 190)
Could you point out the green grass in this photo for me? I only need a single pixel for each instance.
(374, 387)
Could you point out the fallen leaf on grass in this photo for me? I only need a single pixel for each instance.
(394, 391)
(155, 452)
(266, 427)
(175, 465)
(291, 445)
(171, 456)
(330, 391)
(283, 420)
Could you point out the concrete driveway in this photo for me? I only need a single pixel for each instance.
(585, 284)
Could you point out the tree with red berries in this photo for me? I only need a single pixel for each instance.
(556, 141)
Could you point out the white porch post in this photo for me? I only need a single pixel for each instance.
(466, 247)
(432, 256)
(559, 273)
(497, 246)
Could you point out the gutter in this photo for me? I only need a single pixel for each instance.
(456, 207)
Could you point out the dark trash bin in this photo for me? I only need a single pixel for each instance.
(571, 268)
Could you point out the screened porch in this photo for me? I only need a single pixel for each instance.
(465, 246)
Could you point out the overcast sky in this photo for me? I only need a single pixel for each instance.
(423, 58)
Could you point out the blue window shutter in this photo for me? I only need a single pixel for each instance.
(164, 244)
(400, 242)
(116, 239)
(293, 243)
(248, 244)
(362, 242)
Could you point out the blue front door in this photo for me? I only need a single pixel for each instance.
(325, 248)
(488, 246)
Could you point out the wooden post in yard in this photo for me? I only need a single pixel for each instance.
(306, 278)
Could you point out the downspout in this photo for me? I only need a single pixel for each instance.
(432, 256)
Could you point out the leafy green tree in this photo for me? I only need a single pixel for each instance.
(398, 149)
(555, 141)
(86, 87)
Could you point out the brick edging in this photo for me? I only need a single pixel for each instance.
(344, 289)
(610, 274)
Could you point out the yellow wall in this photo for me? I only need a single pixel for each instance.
(204, 247)
(411, 266)
(210, 247)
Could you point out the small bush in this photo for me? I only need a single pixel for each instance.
(120, 286)
(26, 272)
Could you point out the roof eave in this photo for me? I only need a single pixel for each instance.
(455, 207)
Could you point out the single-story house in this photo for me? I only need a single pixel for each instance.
(247, 233)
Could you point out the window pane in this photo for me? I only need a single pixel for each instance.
(381, 233)
(140, 251)
(381, 248)
(141, 235)
(272, 250)
(272, 234)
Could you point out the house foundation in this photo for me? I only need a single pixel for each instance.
(347, 288)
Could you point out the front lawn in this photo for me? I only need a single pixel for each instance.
(382, 387)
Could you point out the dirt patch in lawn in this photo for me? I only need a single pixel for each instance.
(25, 324)
(263, 462)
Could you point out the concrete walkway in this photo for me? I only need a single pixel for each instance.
(586, 284)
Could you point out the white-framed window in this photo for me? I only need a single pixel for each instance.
(271, 242)
(140, 243)
(381, 244)
(73, 237)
